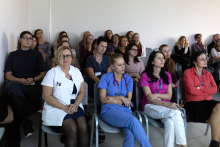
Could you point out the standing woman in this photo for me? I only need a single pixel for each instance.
(108, 36)
(44, 46)
(133, 65)
(63, 92)
(24, 71)
(169, 66)
(141, 49)
(87, 47)
(122, 45)
(112, 47)
(182, 53)
(58, 40)
(130, 35)
(97, 65)
(83, 39)
(199, 85)
(115, 90)
(157, 87)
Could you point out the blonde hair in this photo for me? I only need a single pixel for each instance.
(179, 42)
(139, 45)
(85, 41)
(59, 54)
(84, 35)
(113, 57)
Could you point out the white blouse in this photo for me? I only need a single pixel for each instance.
(62, 91)
(214, 53)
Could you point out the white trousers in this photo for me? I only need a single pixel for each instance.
(173, 123)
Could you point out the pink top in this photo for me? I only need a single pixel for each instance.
(83, 52)
(134, 68)
(144, 81)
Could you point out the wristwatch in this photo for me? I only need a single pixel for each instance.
(198, 87)
(33, 79)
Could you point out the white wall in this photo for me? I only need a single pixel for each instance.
(14, 20)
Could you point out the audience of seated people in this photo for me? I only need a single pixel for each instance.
(25, 69)
(157, 87)
(112, 46)
(169, 67)
(212, 44)
(182, 53)
(122, 45)
(199, 85)
(64, 111)
(115, 90)
(141, 49)
(130, 35)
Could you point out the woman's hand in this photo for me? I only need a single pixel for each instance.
(151, 97)
(109, 101)
(126, 102)
(171, 106)
(22, 80)
(66, 109)
(73, 108)
(135, 79)
(29, 81)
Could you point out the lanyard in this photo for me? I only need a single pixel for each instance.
(158, 90)
(99, 65)
(118, 92)
(202, 77)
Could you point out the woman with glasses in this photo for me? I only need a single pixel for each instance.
(133, 66)
(122, 45)
(169, 66)
(199, 85)
(87, 47)
(141, 49)
(97, 65)
(24, 71)
(157, 87)
(108, 36)
(115, 90)
(63, 92)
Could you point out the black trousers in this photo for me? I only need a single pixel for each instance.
(184, 61)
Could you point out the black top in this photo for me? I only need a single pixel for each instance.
(110, 48)
(181, 52)
(109, 40)
(91, 63)
(117, 51)
(210, 46)
(85, 59)
(25, 64)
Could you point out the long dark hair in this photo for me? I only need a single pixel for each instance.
(126, 55)
(22, 35)
(150, 68)
(36, 47)
(61, 33)
(35, 32)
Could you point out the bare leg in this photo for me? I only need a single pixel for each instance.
(214, 123)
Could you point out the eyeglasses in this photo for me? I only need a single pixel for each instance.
(124, 40)
(202, 60)
(39, 33)
(136, 50)
(67, 56)
(26, 38)
(90, 38)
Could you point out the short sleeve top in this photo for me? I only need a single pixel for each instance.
(134, 68)
(146, 81)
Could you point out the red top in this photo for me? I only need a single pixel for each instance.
(191, 81)
(139, 52)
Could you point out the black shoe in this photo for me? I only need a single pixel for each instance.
(28, 129)
(62, 138)
(214, 143)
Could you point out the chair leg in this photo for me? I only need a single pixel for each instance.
(40, 134)
(96, 135)
(92, 131)
(207, 129)
(45, 137)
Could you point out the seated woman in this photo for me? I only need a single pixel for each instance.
(122, 45)
(87, 47)
(108, 36)
(97, 65)
(141, 49)
(24, 71)
(113, 46)
(83, 39)
(133, 66)
(169, 66)
(115, 90)
(215, 52)
(130, 35)
(74, 59)
(63, 33)
(182, 53)
(157, 87)
(199, 85)
(63, 92)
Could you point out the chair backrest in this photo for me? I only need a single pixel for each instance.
(139, 95)
(97, 101)
(148, 52)
(180, 90)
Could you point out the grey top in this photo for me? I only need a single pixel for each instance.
(110, 48)
(45, 47)
(90, 62)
